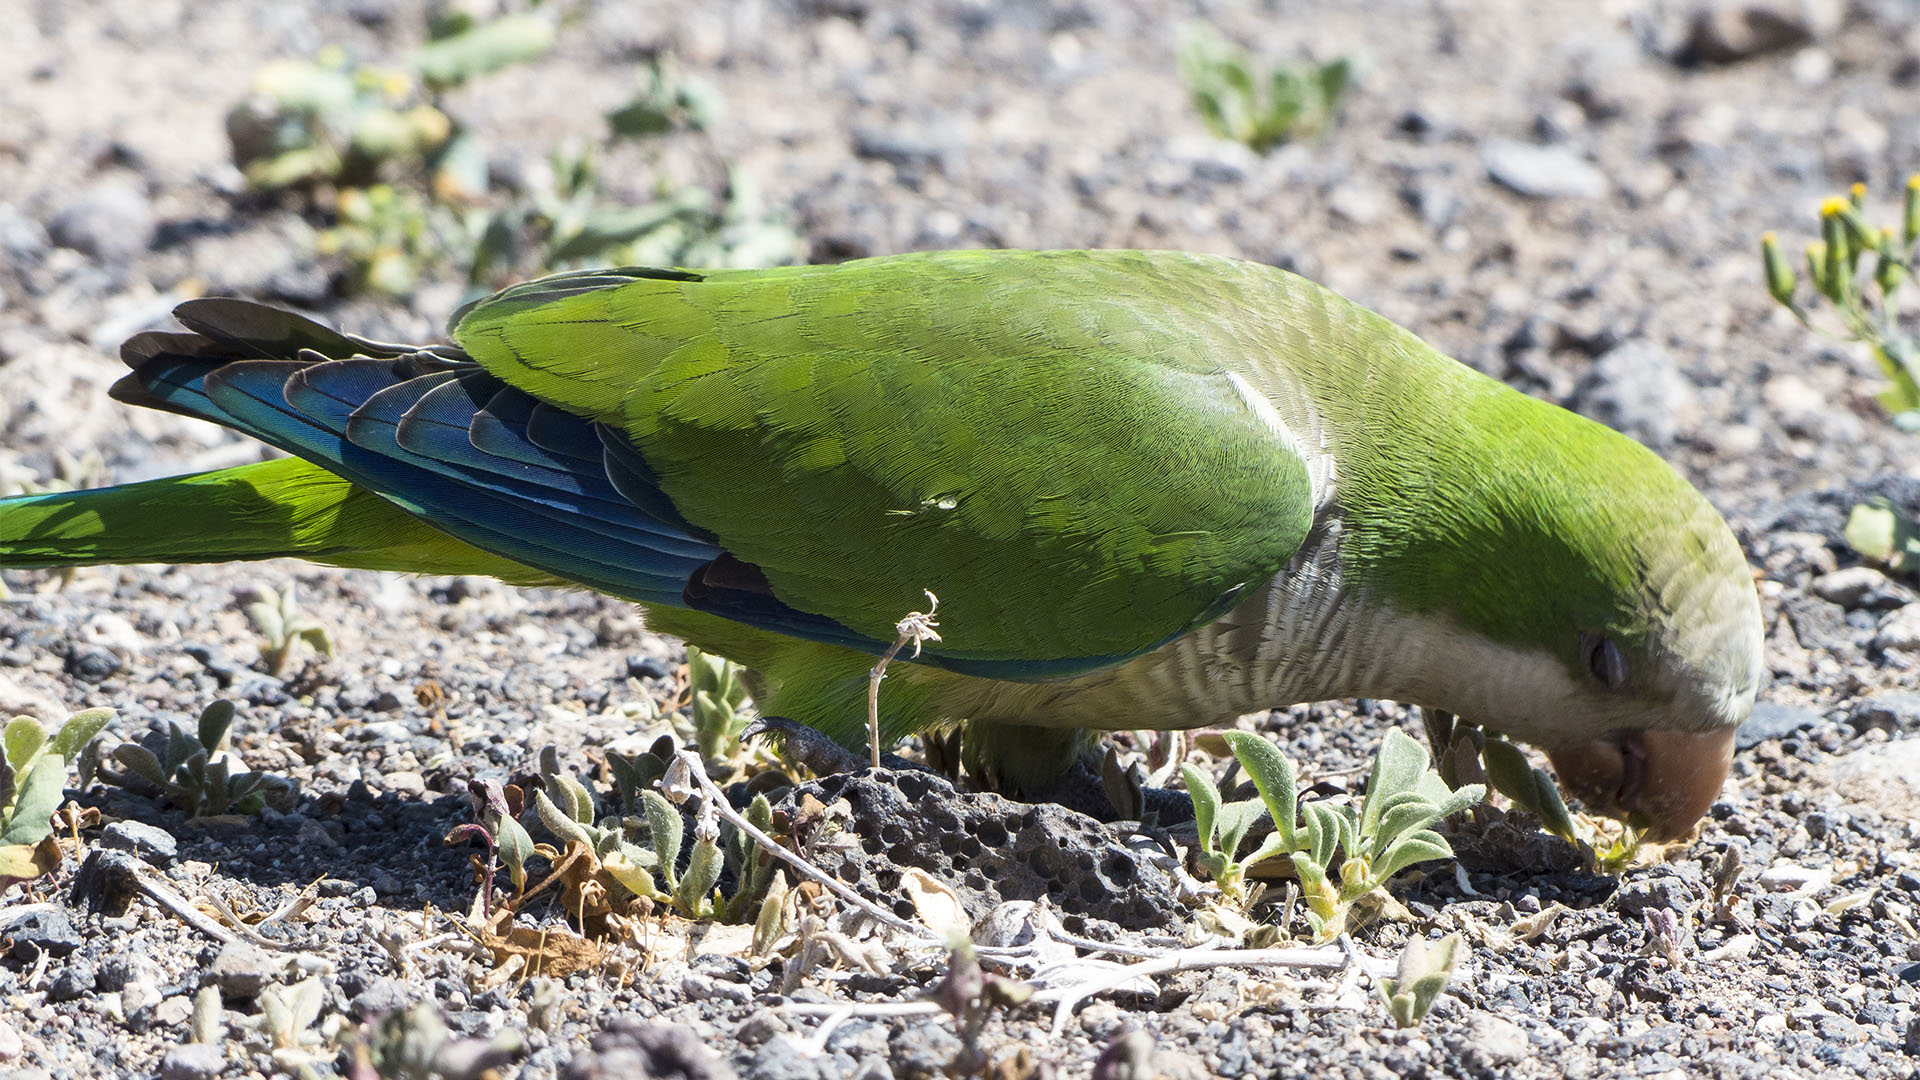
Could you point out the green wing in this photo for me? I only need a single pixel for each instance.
(1046, 441)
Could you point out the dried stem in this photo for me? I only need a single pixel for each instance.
(718, 799)
(917, 627)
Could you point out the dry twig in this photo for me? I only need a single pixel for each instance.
(918, 627)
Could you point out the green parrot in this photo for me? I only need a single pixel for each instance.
(1149, 489)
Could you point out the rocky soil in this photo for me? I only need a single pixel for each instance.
(1565, 195)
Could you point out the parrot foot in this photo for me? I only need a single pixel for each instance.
(819, 754)
(1079, 788)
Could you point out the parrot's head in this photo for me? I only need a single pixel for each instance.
(1590, 601)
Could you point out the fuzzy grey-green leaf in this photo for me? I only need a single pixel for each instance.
(1272, 776)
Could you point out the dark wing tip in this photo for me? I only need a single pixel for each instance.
(137, 350)
(273, 334)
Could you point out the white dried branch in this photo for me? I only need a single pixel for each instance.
(918, 627)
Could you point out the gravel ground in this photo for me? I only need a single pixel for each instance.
(1565, 195)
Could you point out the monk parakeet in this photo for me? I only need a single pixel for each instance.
(1149, 489)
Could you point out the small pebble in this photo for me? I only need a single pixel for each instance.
(381, 996)
(1856, 586)
(70, 983)
(173, 1012)
(111, 221)
(1496, 1041)
(1805, 913)
(241, 970)
(764, 1024)
(155, 845)
(192, 1061)
(46, 929)
(1787, 876)
(1542, 172)
(647, 667)
(404, 782)
(699, 987)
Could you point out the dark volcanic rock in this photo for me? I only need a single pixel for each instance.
(989, 848)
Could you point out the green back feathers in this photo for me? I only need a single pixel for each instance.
(1045, 441)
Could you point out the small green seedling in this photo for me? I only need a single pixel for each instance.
(467, 49)
(1423, 972)
(1223, 827)
(497, 825)
(284, 630)
(1386, 834)
(635, 773)
(195, 771)
(718, 704)
(330, 121)
(287, 1014)
(33, 774)
(1885, 536)
(669, 867)
(414, 1044)
(668, 100)
(969, 994)
(411, 193)
(1238, 103)
(1532, 789)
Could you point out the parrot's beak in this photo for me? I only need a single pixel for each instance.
(1662, 779)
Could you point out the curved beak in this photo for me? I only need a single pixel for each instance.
(1664, 780)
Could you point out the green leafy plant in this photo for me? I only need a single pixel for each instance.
(717, 704)
(1259, 110)
(284, 630)
(667, 99)
(1883, 535)
(1388, 832)
(496, 825)
(635, 773)
(1859, 270)
(287, 1014)
(388, 235)
(33, 773)
(409, 188)
(465, 48)
(1531, 788)
(1422, 974)
(566, 219)
(331, 121)
(651, 855)
(1223, 827)
(194, 771)
(415, 1044)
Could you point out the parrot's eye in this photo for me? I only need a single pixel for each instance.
(1603, 660)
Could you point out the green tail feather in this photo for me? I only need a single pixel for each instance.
(285, 507)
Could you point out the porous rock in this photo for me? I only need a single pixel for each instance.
(989, 848)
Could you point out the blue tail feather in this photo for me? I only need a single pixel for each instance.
(449, 443)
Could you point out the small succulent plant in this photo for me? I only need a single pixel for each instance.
(1340, 852)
